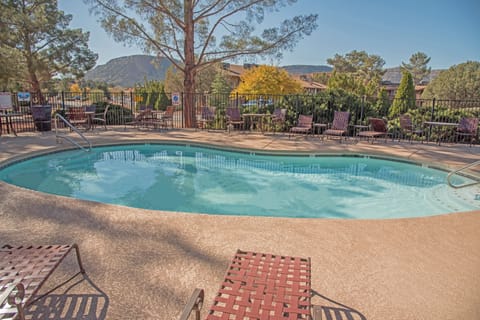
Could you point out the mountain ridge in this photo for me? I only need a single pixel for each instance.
(129, 70)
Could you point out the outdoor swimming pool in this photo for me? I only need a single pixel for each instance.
(206, 180)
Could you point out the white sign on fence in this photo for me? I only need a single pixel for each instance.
(23, 96)
(5, 100)
(175, 98)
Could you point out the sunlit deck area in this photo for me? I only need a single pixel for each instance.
(144, 264)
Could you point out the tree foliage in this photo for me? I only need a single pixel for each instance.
(357, 72)
(268, 80)
(152, 93)
(459, 82)
(418, 66)
(193, 34)
(404, 97)
(36, 34)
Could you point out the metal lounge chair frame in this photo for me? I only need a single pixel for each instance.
(23, 271)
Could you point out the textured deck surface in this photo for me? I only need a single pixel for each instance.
(144, 264)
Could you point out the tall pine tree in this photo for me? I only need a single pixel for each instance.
(405, 95)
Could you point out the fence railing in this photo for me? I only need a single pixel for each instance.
(124, 106)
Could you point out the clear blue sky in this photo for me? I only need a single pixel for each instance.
(446, 30)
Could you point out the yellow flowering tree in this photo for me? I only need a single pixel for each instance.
(268, 80)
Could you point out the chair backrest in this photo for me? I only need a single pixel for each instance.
(406, 122)
(91, 108)
(279, 114)
(76, 113)
(304, 121)
(208, 113)
(233, 114)
(169, 112)
(468, 125)
(340, 120)
(378, 125)
(41, 112)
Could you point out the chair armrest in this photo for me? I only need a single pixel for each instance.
(13, 294)
(316, 312)
(194, 304)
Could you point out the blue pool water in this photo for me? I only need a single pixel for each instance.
(204, 180)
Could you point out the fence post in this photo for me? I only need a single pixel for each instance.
(63, 100)
(433, 110)
(183, 109)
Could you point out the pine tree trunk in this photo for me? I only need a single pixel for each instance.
(190, 70)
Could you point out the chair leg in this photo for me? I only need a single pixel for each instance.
(79, 260)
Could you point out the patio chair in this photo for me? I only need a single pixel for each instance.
(407, 129)
(23, 271)
(259, 286)
(166, 119)
(304, 125)
(339, 125)
(207, 117)
(101, 117)
(233, 118)
(141, 118)
(467, 129)
(278, 119)
(378, 128)
(77, 116)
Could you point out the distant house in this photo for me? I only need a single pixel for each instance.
(234, 72)
(392, 77)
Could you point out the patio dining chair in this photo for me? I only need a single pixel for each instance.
(278, 119)
(467, 129)
(378, 128)
(339, 125)
(408, 129)
(233, 118)
(101, 117)
(23, 271)
(77, 116)
(304, 125)
(166, 118)
(207, 117)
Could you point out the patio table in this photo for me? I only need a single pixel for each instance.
(446, 125)
(256, 119)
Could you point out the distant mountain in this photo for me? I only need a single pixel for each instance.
(129, 70)
(306, 69)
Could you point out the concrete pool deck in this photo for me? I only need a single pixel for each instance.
(144, 264)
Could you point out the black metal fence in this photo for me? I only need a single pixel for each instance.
(124, 106)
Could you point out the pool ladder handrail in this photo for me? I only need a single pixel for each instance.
(73, 128)
(454, 172)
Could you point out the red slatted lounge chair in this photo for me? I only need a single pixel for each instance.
(259, 286)
(304, 125)
(378, 128)
(23, 271)
(339, 125)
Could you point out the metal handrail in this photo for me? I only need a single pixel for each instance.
(58, 116)
(454, 172)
